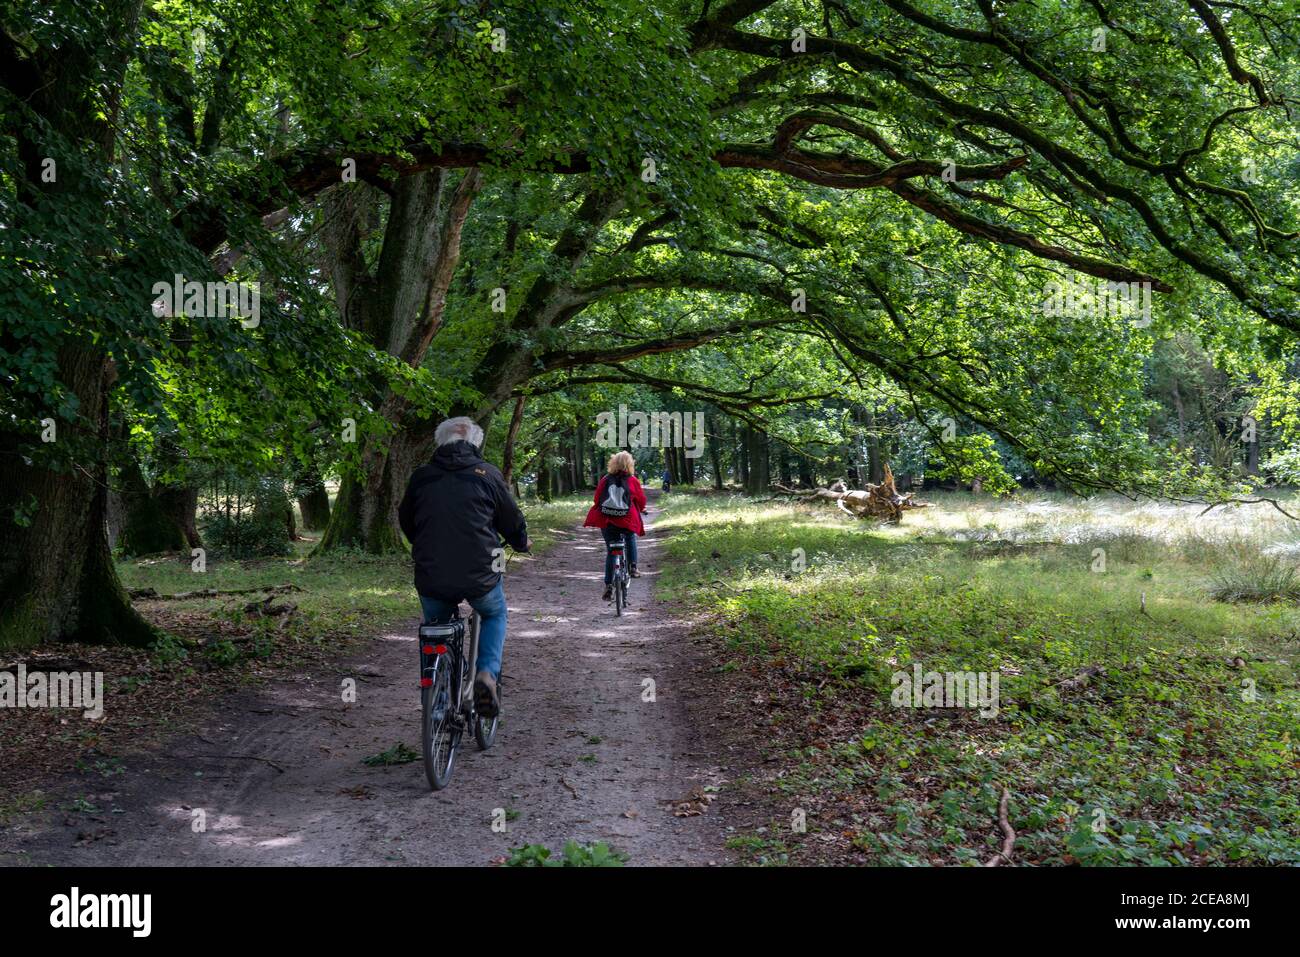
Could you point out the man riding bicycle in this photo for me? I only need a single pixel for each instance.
(455, 512)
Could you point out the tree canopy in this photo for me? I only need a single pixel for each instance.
(997, 229)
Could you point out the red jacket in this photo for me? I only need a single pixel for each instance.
(631, 521)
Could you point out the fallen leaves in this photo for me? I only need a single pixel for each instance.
(693, 804)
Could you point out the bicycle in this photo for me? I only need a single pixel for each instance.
(617, 548)
(447, 696)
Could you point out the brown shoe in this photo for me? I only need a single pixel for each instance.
(609, 593)
(486, 702)
(633, 572)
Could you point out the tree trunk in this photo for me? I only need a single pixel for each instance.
(544, 472)
(579, 456)
(562, 473)
(571, 466)
(399, 308)
(313, 502)
(742, 456)
(875, 463)
(116, 517)
(713, 440)
(365, 509)
(1182, 415)
(758, 471)
(158, 518)
(290, 521)
(806, 477)
(183, 500)
(508, 453)
(57, 580)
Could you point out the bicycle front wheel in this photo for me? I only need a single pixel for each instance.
(485, 731)
(439, 736)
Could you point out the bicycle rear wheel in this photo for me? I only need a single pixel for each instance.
(439, 735)
(620, 596)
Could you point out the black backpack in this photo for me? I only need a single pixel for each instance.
(615, 502)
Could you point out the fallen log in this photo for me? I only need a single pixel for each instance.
(874, 501)
(151, 594)
(47, 663)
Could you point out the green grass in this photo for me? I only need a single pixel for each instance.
(341, 594)
(1178, 753)
(397, 754)
(759, 850)
(1257, 578)
(344, 593)
(28, 802)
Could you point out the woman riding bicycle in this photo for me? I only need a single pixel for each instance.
(620, 500)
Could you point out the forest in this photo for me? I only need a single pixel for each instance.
(962, 335)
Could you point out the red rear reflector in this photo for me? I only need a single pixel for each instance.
(440, 649)
(427, 649)
(426, 682)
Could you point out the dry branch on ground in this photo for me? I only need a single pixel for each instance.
(151, 594)
(1003, 856)
(874, 501)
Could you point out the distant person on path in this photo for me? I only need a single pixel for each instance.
(668, 480)
(620, 500)
(455, 512)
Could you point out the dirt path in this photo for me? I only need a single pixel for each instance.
(278, 773)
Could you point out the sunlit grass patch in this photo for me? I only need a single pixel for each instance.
(1181, 745)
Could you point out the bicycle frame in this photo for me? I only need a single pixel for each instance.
(471, 655)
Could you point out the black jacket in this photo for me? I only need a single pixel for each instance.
(455, 511)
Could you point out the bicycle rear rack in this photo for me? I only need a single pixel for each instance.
(433, 641)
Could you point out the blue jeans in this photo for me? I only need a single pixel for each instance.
(611, 534)
(491, 610)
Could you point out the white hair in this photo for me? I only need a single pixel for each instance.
(461, 427)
